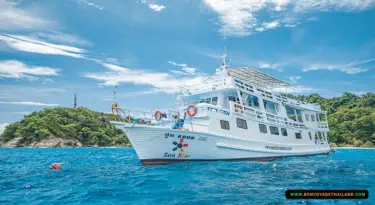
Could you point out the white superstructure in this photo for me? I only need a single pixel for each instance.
(240, 114)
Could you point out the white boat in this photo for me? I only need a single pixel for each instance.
(237, 114)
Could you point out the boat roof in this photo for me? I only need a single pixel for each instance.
(253, 76)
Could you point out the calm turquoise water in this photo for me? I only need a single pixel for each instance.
(115, 176)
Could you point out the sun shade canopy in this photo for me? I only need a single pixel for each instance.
(253, 76)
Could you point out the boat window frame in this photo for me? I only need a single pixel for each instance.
(273, 129)
(275, 106)
(241, 123)
(223, 124)
(289, 114)
(300, 135)
(216, 100)
(263, 128)
(208, 100)
(284, 132)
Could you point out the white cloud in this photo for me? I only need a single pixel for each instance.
(161, 82)
(268, 26)
(29, 44)
(294, 79)
(177, 64)
(290, 25)
(29, 103)
(185, 69)
(273, 66)
(313, 18)
(2, 127)
(178, 72)
(189, 70)
(156, 7)
(16, 69)
(153, 6)
(271, 25)
(240, 17)
(349, 68)
(14, 18)
(58, 37)
(97, 6)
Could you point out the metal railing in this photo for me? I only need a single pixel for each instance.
(252, 113)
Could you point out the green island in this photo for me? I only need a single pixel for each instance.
(64, 127)
(351, 121)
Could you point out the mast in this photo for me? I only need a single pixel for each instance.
(224, 64)
(75, 101)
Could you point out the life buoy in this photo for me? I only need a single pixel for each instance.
(188, 112)
(157, 115)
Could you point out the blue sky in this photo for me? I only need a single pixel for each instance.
(53, 49)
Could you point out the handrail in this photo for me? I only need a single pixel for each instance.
(262, 116)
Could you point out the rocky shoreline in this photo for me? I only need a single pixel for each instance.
(50, 142)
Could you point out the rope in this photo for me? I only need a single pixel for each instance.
(84, 156)
(92, 153)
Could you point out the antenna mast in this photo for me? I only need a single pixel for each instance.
(224, 63)
(75, 101)
(114, 94)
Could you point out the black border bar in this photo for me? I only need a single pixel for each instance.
(326, 194)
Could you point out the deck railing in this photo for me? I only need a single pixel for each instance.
(252, 113)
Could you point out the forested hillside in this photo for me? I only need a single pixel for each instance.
(351, 118)
(81, 125)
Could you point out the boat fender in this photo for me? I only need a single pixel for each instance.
(55, 166)
(191, 110)
(157, 115)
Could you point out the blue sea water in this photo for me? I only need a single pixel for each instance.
(115, 176)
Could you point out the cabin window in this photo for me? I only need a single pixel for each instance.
(312, 118)
(232, 98)
(202, 101)
(263, 128)
(224, 124)
(250, 100)
(307, 117)
(270, 106)
(214, 100)
(290, 113)
(298, 135)
(320, 135)
(274, 130)
(310, 136)
(284, 132)
(241, 123)
(299, 115)
(208, 100)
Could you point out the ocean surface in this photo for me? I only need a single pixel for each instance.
(115, 176)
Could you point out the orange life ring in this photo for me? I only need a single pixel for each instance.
(191, 114)
(157, 115)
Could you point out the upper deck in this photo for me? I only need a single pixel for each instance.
(250, 81)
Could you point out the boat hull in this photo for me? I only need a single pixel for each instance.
(155, 145)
